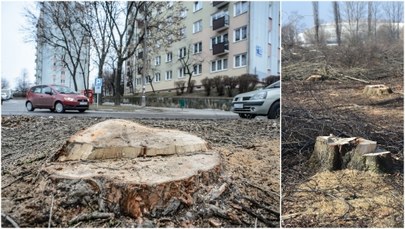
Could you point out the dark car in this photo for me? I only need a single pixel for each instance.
(56, 98)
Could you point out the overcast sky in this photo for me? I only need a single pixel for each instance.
(304, 8)
(15, 53)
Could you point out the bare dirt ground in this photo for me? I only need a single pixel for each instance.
(250, 155)
(343, 198)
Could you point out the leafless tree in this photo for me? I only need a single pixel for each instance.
(23, 82)
(190, 62)
(394, 13)
(132, 22)
(58, 27)
(4, 83)
(338, 27)
(290, 30)
(354, 13)
(315, 7)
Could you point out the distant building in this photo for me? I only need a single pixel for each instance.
(51, 61)
(232, 38)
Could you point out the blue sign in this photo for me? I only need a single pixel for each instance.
(259, 51)
(99, 82)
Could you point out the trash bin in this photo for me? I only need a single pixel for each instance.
(182, 103)
(89, 95)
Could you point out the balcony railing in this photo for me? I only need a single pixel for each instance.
(219, 4)
(221, 23)
(220, 48)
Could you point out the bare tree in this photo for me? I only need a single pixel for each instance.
(290, 30)
(58, 27)
(23, 82)
(191, 62)
(131, 22)
(315, 7)
(4, 83)
(338, 27)
(394, 13)
(354, 12)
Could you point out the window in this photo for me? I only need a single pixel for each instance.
(219, 15)
(197, 47)
(240, 8)
(157, 60)
(169, 75)
(197, 26)
(240, 60)
(183, 13)
(182, 72)
(197, 6)
(218, 65)
(219, 39)
(138, 81)
(240, 33)
(197, 69)
(183, 32)
(169, 56)
(62, 82)
(147, 79)
(182, 52)
(157, 77)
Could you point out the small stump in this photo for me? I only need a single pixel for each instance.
(315, 78)
(123, 167)
(334, 153)
(377, 90)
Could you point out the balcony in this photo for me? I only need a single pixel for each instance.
(221, 23)
(219, 4)
(220, 48)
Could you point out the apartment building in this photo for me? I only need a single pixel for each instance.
(52, 62)
(222, 38)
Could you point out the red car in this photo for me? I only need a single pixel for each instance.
(56, 98)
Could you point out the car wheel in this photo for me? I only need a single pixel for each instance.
(247, 116)
(274, 111)
(59, 107)
(82, 111)
(29, 106)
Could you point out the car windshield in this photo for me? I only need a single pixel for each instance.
(273, 85)
(65, 90)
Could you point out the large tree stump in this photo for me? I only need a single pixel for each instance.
(334, 153)
(131, 169)
(377, 90)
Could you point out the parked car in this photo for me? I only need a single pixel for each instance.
(262, 102)
(56, 98)
(3, 97)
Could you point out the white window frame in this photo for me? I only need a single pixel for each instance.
(219, 65)
(239, 31)
(157, 60)
(169, 75)
(182, 72)
(183, 32)
(240, 8)
(197, 5)
(238, 60)
(197, 47)
(218, 39)
(157, 77)
(169, 57)
(197, 68)
(183, 13)
(182, 52)
(197, 26)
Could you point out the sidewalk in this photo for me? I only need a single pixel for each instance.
(136, 108)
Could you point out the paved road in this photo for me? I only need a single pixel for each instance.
(17, 107)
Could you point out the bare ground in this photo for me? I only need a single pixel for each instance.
(250, 155)
(342, 198)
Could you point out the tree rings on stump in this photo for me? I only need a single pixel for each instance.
(134, 169)
(334, 153)
(377, 90)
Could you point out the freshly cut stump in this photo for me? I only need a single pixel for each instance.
(377, 90)
(133, 169)
(334, 153)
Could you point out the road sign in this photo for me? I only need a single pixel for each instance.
(99, 82)
(97, 89)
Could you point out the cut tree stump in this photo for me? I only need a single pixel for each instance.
(131, 169)
(334, 153)
(377, 90)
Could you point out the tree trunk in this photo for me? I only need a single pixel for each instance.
(117, 97)
(334, 153)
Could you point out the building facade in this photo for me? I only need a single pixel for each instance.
(52, 62)
(221, 38)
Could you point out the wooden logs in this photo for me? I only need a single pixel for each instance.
(377, 90)
(334, 153)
